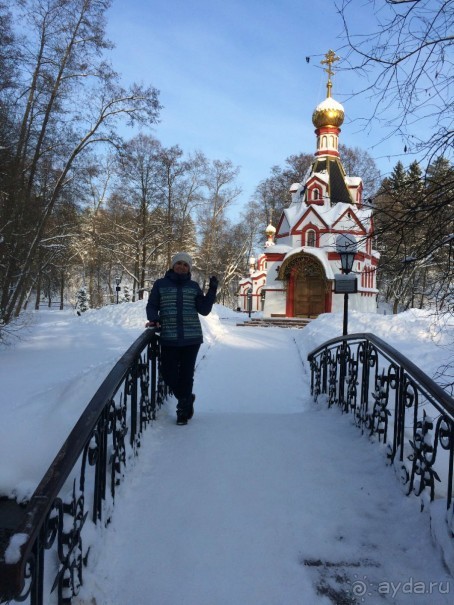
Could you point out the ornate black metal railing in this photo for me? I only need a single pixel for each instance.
(79, 486)
(396, 403)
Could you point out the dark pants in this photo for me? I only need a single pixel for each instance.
(177, 367)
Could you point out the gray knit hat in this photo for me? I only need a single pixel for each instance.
(184, 256)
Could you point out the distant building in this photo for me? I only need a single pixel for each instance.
(294, 275)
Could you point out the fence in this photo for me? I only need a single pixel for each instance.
(395, 403)
(79, 487)
(389, 397)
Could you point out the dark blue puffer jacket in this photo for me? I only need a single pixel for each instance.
(175, 301)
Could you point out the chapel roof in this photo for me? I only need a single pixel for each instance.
(337, 185)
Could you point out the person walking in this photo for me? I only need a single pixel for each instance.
(174, 304)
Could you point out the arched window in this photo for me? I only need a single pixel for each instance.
(311, 238)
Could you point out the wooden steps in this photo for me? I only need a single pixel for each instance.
(277, 322)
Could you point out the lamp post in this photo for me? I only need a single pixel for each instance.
(118, 282)
(249, 301)
(346, 247)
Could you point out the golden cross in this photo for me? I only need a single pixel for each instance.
(330, 58)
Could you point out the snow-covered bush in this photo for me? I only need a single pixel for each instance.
(82, 300)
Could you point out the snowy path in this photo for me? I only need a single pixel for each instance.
(263, 499)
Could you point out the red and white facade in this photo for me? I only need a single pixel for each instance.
(294, 275)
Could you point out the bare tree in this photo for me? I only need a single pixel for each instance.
(233, 251)
(137, 170)
(172, 170)
(67, 100)
(358, 162)
(272, 194)
(404, 51)
(222, 192)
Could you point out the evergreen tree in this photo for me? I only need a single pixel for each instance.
(126, 297)
(82, 301)
(414, 226)
(390, 233)
(397, 180)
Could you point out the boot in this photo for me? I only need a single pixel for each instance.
(182, 411)
(191, 406)
(181, 419)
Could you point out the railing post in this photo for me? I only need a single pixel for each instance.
(324, 362)
(342, 373)
(365, 381)
(134, 378)
(450, 466)
(37, 587)
(402, 413)
(100, 465)
(399, 417)
(153, 352)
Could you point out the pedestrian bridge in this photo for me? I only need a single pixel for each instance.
(332, 487)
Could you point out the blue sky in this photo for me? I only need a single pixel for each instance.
(234, 80)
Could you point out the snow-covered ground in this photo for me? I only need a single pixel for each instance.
(265, 498)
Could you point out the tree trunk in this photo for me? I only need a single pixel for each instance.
(38, 291)
(62, 290)
(395, 306)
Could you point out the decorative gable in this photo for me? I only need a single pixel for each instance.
(315, 190)
(283, 227)
(355, 186)
(348, 221)
(310, 217)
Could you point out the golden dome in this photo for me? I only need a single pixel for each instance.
(270, 233)
(270, 230)
(328, 113)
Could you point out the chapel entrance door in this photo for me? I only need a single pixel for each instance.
(309, 294)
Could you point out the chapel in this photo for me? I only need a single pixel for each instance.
(294, 275)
